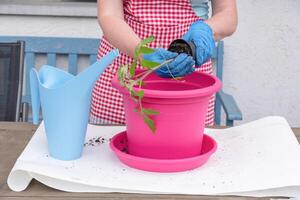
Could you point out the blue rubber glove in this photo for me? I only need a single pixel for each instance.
(180, 66)
(202, 36)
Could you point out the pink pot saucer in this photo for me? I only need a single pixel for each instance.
(119, 145)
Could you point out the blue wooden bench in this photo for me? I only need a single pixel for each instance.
(73, 47)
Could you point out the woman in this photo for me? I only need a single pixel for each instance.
(126, 22)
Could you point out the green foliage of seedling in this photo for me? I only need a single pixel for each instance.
(139, 94)
(150, 111)
(149, 64)
(150, 123)
(142, 48)
(129, 79)
(147, 41)
(146, 50)
(132, 68)
(140, 83)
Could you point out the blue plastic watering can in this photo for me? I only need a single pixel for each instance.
(65, 100)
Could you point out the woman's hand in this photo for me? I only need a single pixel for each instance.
(181, 64)
(201, 35)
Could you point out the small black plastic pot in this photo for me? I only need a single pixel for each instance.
(182, 46)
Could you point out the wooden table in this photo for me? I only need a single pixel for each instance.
(13, 139)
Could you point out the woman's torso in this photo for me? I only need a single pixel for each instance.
(166, 20)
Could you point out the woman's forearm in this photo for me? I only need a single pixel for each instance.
(224, 18)
(119, 34)
(115, 29)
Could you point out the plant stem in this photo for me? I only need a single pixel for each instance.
(146, 73)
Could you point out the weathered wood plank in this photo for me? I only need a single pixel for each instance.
(131, 197)
(13, 138)
(17, 126)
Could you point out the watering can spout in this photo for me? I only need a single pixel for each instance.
(35, 96)
(91, 74)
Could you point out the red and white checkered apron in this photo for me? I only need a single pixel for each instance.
(166, 20)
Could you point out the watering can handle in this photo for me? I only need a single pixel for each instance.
(35, 96)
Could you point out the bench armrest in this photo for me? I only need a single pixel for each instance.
(230, 107)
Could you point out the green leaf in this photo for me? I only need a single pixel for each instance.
(145, 50)
(149, 64)
(150, 123)
(140, 83)
(147, 40)
(132, 68)
(150, 111)
(136, 51)
(139, 93)
(142, 47)
(120, 71)
(121, 74)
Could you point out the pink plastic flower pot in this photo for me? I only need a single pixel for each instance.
(179, 126)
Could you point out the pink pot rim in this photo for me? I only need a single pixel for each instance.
(206, 91)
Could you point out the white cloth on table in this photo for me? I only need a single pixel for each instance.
(259, 158)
